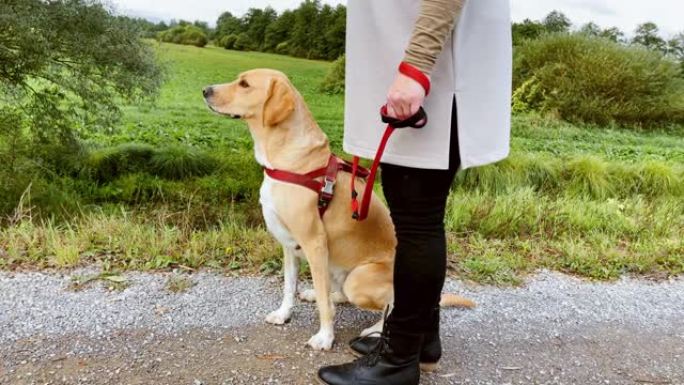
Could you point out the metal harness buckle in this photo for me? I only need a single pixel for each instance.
(326, 193)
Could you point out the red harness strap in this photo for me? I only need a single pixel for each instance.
(324, 189)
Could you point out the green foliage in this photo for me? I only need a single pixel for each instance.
(64, 68)
(312, 30)
(107, 164)
(527, 30)
(613, 34)
(557, 22)
(181, 163)
(65, 64)
(333, 83)
(186, 34)
(578, 176)
(243, 43)
(172, 162)
(584, 79)
(647, 35)
(227, 42)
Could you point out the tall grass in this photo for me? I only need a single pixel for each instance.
(580, 176)
(135, 241)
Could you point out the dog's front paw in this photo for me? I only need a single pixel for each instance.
(308, 295)
(321, 341)
(279, 317)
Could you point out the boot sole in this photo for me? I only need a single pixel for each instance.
(427, 367)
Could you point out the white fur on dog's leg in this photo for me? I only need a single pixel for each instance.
(322, 340)
(338, 297)
(377, 328)
(308, 295)
(290, 272)
(280, 316)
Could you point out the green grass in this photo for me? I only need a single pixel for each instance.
(176, 186)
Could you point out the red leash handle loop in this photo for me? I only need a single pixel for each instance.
(419, 120)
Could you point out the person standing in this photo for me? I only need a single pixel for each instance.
(464, 49)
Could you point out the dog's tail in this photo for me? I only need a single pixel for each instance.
(453, 300)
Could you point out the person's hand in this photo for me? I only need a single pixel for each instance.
(404, 97)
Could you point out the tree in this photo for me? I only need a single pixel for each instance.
(64, 65)
(557, 22)
(647, 35)
(279, 31)
(675, 49)
(303, 40)
(592, 29)
(256, 21)
(204, 26)
(227, 24)
(527, 30)
(336, 33)
(613, 34)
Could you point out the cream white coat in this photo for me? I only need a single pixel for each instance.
(475, 66)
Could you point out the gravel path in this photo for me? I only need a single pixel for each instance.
(554, 330)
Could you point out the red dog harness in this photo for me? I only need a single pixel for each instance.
(325, 189)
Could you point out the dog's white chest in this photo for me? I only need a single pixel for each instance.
(273, 223)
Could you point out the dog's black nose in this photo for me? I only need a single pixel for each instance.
(208, 91)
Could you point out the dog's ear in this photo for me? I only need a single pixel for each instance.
(280, 102)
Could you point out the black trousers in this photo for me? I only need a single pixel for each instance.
(417, 202)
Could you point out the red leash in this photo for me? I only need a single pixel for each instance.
(419, 120)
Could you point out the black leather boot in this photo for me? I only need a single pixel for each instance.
(430, 352)
(393, 361)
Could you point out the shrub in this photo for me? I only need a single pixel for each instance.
(593, 80)
(228, 42)
(283, 48)
(107, 164)
(334, 80)
(242, 42)
(181, 162)
(184, 34)
(174, 162)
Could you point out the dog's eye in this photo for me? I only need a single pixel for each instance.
(243, 84)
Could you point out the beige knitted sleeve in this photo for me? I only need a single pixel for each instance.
(434, 25)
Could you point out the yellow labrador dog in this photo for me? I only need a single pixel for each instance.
(349, 260)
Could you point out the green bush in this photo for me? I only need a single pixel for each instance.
(592, 80)
(107, 164)
(175, 162)
(242, 42)
(333, 83)
(181, 162)
(184, 34)
(283, 48)
(228, 42)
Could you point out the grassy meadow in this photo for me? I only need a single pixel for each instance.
(598, 202)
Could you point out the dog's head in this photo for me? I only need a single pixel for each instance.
(261, 95)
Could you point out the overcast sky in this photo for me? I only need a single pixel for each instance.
(625, 14)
